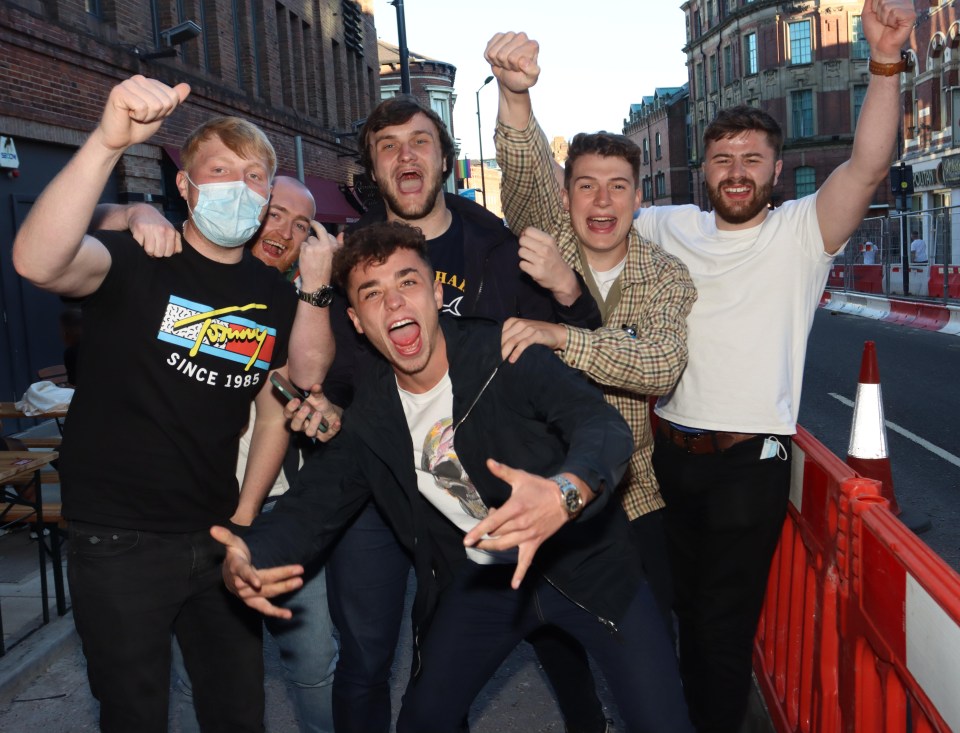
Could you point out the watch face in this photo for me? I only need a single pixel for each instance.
(573, 500)
(323, 297)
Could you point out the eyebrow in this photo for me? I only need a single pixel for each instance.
(399, 274)
(394, 136)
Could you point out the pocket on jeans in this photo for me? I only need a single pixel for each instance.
(92, 541)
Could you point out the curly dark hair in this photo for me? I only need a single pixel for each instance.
(397, 111)
(744, 118)
(374, 244)
(606, 145)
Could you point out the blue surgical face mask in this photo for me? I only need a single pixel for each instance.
(228, 213)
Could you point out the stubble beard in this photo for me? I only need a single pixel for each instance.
(409, 211)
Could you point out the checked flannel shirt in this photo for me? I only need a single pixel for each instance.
(656, 296)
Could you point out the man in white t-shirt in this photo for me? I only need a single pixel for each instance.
(918, 250)
(722, 453)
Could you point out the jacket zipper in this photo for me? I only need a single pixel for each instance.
(610, 625)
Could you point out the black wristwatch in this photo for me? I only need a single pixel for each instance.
(321, 297)
(572, 499)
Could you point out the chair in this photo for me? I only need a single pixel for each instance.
(56, 374)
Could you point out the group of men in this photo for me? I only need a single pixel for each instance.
(509, 459)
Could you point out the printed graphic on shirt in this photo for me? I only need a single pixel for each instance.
(453, 288)
(440, 459)
(222, 333)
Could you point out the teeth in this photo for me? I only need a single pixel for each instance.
(400, 324)
(601, 218)
(271, 243)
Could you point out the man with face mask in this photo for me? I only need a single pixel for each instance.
(174, 351)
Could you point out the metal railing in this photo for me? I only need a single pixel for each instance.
(878, 258)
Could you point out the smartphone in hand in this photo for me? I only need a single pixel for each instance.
(285, 387)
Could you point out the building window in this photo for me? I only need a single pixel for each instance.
(646, 150)
(440, 103)
(711, 13)
(727, 64)
(93, 8)
(859, 94)
(714, 74)
(750, 61)
(805, 180)
(701, 89)
(800, 42)
(647, 189)
(859, 48)
(661, 185)
(801, 106)
(659, 147)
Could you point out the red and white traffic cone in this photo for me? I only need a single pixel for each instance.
(867, 453)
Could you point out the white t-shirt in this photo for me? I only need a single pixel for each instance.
(757, 292)
(918, 251)
(607, 278)
(441, 478)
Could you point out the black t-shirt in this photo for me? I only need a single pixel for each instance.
(449, 261)
(173, 351)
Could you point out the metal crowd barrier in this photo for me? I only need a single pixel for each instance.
(860, 632)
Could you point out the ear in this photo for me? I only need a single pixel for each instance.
(183, 185)
(566, 199)
(777, 168)
(637, 199)
(438, 293)
(353, 317)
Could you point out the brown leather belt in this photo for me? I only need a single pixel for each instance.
(699, 444)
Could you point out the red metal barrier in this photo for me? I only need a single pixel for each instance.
(935, 287)
(868, 278)
(835, 278)
(861, 628)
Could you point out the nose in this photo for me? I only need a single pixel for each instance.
(406, 151)
(393, 299)
(603, 196)
(286, 229)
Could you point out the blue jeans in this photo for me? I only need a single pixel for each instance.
(480, 619)
(132, 589)
(308, 655)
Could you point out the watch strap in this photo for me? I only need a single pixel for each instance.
(878, 69)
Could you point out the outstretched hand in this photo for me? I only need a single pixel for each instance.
(135, 110)
(887, 25)
(533, 513)
(513, 60)
(254, 587)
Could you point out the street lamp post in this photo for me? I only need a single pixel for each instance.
(402, 44)
(483, 180)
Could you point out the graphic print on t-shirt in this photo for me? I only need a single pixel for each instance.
(440, 459)
(220, 333)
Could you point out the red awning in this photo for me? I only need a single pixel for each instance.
(332, 204)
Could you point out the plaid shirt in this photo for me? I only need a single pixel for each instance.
(657, 294)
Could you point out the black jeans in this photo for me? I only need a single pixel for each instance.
(130, 589)
(367, 581)
(480, 619)
(724, 515)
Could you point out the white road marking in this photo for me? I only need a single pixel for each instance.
(936, 450)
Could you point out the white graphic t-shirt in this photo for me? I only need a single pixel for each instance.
(440, 477)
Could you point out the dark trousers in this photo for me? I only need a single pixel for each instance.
(130, 590)
(480, 619)
(724, 515)
(651, 538)
(366, 580)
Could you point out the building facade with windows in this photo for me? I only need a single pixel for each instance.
(659, 125)
(305, 72)
(931, 128)
(805, 63)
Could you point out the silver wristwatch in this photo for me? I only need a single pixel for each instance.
(572, 499)
(321, 297)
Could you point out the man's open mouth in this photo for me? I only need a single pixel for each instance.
(410, 181)
(405, 336)
(272, 247)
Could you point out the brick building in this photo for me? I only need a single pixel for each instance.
(658, 124)
(803, 62)
(431, 82)
(301, 70)
(931, 127)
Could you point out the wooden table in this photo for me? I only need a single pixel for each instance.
(18, 464)
(19, 472)
(9, 410)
